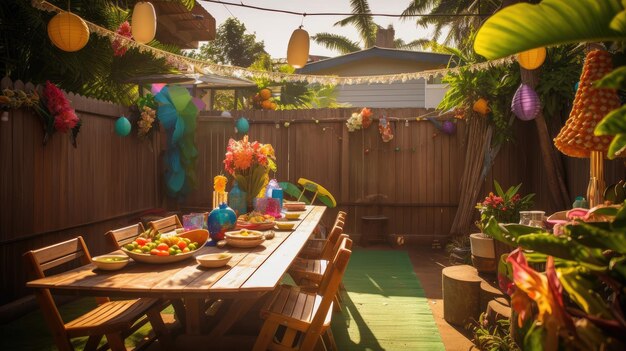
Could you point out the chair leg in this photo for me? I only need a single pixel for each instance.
(93, 342)
(337, 303)
(116, 343)
(161, 331)
(266, 335)
(179, 311)
(329, 340)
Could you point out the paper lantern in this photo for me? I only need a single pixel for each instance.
(122, 126)
(143, 22)
(68, 32)
(481, 106)
(526, 103)
(532, 59)
(448, 127)
(242, 126)
(298, 48)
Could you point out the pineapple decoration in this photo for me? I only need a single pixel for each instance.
(576, 138)
(263, 100)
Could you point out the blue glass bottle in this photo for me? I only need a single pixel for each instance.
(221, 220)
(237, 200)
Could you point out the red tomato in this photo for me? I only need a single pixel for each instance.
(163, 253)
(186, 249)
(163, 247)
(154, 252)
(182, 245)
(141, 241)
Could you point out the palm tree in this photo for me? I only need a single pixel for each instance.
(363, 21)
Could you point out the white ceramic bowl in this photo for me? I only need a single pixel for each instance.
(285, 225)
(244, 243)
(244, 234)
(214, 260)
(110, 262)
(293, 215)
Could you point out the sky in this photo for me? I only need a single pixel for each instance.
(274, 29)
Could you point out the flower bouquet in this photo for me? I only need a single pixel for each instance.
(503, 206)
(250, 163)
(57, 114)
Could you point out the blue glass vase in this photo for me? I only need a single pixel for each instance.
(220, 220)
(237, 200)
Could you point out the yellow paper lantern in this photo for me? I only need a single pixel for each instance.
(68, 32)
(298, 48)
(481, 106)
(143, 22)
(532, 59)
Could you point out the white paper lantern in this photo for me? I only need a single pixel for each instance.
(143, 22)
(298, 49)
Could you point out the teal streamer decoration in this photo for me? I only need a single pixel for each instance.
(177, 114)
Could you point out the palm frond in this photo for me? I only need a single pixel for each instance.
(336, 42)
(412, 45)
(362, 20)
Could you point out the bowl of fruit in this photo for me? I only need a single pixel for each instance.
(255, 221)
(293, 215)
(285, 224)
(166, 248)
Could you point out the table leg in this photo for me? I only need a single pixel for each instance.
(194, 315)
(237, 309)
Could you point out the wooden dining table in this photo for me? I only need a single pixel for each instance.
(251, 273)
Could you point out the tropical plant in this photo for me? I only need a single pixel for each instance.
(232, 45)
(28, 54)
(495, 337)
(578, 303)
(521, 27)
(504, 206)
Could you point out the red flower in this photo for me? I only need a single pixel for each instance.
(119, 47)
(65, 120)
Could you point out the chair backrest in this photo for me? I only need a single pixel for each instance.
(330, 284)
(329, 245)
(166, 224)
(41, 260)
(122, 236)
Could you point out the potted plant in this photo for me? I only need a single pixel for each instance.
(504, 207)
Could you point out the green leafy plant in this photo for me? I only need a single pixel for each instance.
(495, 337)
(504, 206)
(458, 250)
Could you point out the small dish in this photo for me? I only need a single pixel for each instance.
(293, 215)
(110, 262)
(284, 225)
(244, 234)
(244, 243)
(214, 260)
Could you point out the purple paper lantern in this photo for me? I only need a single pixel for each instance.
(448, 127)
(526, 104)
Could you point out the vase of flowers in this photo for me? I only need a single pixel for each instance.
(250, 163)
(504, 206)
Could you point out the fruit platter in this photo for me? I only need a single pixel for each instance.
(166, 248)
(255, 221)
(244, 238)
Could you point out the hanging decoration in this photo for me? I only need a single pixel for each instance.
(144, 22)
(234, 71)
(68, 32)
(263, 100)
(147, 122)
(359, 120)
(122, 126)
(119, 47)
(447, 127)
(481, 106)
(526, 104)
(384, 128)
(177, 113)
(532, 59)
(298, 48)
(57, 115)
(242, 126)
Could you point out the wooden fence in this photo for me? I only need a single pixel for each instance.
(53, 192)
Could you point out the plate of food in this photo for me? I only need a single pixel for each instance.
(255, 221)
(166, 248)
(110, 262)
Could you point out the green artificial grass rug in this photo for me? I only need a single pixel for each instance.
(385, 307)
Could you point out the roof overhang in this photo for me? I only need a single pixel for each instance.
(178, 26)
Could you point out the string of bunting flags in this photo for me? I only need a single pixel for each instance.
(202, 66)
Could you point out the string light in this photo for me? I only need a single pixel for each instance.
(206, 67)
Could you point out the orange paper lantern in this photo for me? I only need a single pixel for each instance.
(481, 106)
(298, 48)
(143, 22)
(532, 59)
(68, 32)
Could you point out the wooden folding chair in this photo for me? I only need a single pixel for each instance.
(305, 315)
(114, 319)
(321, 248)
(122, 236)
(166, 224)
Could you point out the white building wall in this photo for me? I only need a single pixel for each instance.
(434, 94)
(408, 94)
